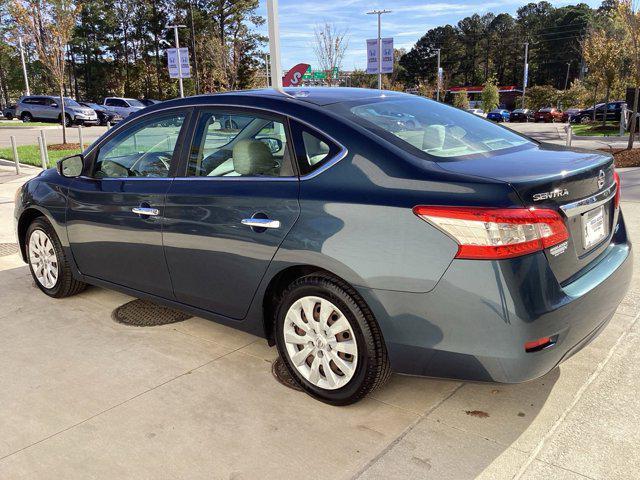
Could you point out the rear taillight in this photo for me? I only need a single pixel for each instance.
(616, 178)
(494, 233)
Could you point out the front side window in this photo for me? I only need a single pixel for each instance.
(242, 145)
(143, 150)
(423, 126)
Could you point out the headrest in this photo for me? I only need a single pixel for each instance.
(433, 137)
(252, 157)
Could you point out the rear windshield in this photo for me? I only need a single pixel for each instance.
(423, 126)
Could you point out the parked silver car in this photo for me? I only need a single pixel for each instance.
(123, 106)
(48, 108)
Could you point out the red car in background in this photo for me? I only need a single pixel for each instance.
(549, 114)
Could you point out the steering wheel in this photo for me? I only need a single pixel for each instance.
(151, 162)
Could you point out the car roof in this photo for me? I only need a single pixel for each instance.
(315, 95)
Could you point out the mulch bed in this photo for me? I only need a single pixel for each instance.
(623, 157)
(64, 146)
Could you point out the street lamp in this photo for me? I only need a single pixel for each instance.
(379, 13)
(175, 33)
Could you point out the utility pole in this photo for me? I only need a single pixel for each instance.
(193, 47)
(438, 80)
(24, 65)
(379, 13)
(266, 67)
(274, 44)
(526, 72)
(175, 34)
(566, 80)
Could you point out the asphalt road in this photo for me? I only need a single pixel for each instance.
(53, 134)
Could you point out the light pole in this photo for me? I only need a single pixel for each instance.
(266, 67)
(566, 80)
(439, 76)
(175, 34)
(379, 13)
(24, 65)
(525, 78)
(274, 44)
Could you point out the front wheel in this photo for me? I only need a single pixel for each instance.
(26, 117)
(330, 341)
(48, 264)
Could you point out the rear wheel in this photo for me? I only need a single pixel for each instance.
(26, 117)
(330, 341)
(48, 264)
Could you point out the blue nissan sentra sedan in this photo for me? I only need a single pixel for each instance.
(445, 246)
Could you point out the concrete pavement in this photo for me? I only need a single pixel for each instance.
(84, 397)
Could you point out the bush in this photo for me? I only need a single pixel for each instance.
(541, 96)
(490, 96)
(461, 99)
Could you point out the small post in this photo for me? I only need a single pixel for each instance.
(80, 141)
(623, 120)
(108, 125)
(44, 146)
(15, 154)
(569, 130)
(43, 156)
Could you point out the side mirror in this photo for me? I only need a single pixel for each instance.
(274, 144)
(71, 167)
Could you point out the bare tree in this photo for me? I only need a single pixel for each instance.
(329, 47)
(631, 20)
(49, 25)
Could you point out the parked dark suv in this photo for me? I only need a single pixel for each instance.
(448, 246)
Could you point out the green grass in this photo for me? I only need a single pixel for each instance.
(596, 129)
(30, 154)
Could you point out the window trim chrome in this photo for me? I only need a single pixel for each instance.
(342, 152)
(581, 206)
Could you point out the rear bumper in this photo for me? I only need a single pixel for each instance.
(473, 325)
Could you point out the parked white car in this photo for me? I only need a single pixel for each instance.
(477, 111)
(123, 106)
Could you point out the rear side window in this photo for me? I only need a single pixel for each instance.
(314, 149)
(239, 145)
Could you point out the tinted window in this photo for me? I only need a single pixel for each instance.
(133, 103)
(116, 102)
(227, 145)
(318, 150)
(423, 126)
(143, 150)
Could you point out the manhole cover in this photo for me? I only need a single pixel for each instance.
(8, 249)
(279, 370)
(142, 313)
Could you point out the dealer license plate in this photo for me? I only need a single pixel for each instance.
(594, 228)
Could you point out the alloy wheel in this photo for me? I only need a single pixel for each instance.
(320, 342)
(43, 259)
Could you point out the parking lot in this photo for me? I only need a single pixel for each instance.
(85, 397)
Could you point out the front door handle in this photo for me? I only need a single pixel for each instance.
(261, 222)
(147, 211)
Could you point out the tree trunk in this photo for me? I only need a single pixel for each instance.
(606, 102)
(634, 118)
(62, 117)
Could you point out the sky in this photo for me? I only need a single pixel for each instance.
(408, 21)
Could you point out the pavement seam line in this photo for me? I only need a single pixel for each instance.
(565, 469)
(188, 372)
(577, 397)
(403, 434)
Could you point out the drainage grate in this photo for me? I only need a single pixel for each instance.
(8, 249)
(142, 313)
(279, 370)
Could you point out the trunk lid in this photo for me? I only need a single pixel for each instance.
(577, 183)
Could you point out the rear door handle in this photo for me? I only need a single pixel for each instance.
(261, 222)
(149, 212)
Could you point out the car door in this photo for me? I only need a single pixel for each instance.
(115, 104)
(51, 108)
(115, 211)
(229, 209)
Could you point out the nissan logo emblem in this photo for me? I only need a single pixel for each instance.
(601, 178)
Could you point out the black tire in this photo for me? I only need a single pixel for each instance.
(26, 117)
(67, 120)
(66, 285)
(372, 369)
(9, 116)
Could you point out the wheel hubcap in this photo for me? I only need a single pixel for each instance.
(320, 342)
(43, 259)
